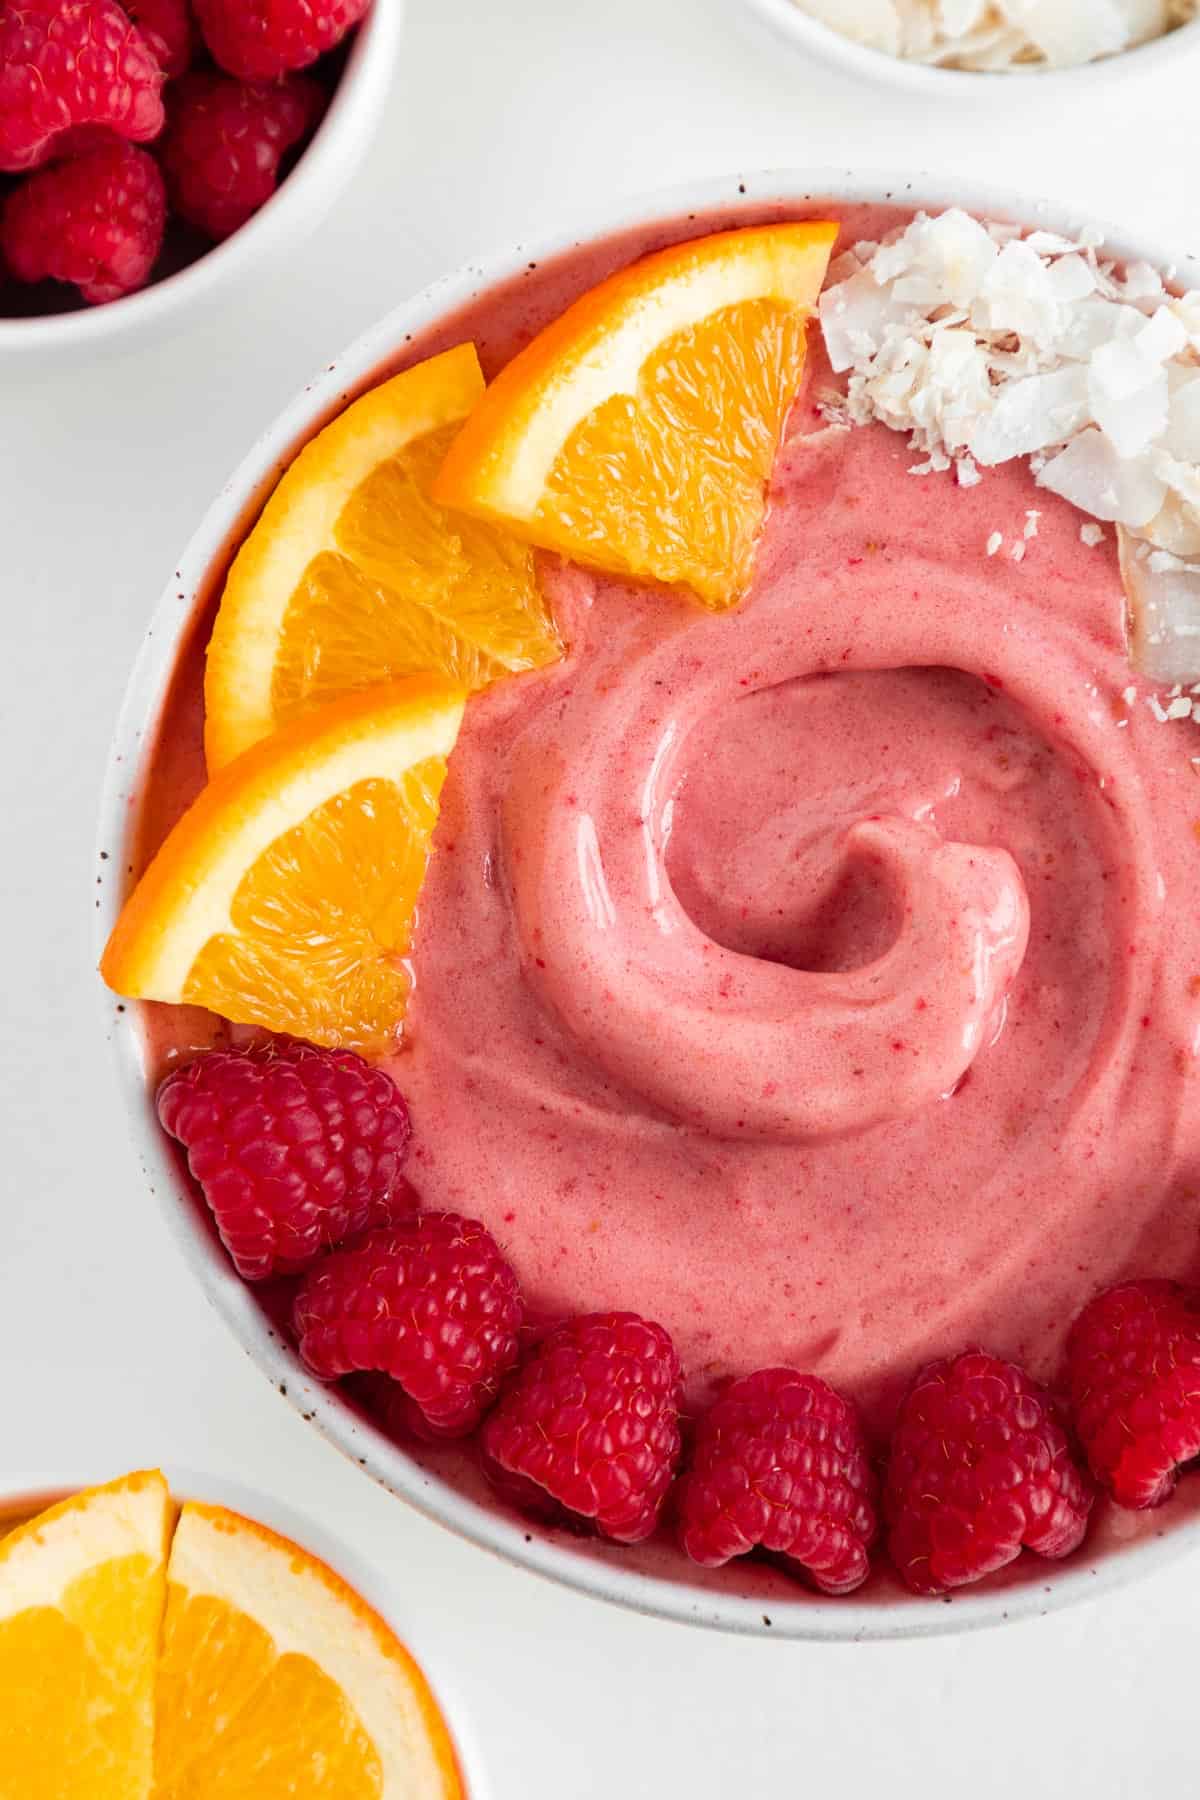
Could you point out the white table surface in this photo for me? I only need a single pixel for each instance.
(510, 117)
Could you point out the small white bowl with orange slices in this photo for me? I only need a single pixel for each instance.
(371, 569)
(198, 1637)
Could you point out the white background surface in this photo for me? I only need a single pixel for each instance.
(510, 117)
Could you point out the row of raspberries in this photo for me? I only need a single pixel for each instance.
(211, 83)
(299, 1151)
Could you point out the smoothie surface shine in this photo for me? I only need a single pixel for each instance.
(822, 978)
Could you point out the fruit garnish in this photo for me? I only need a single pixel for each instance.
(168, 29)
(780, 1462)
(429, 1302)
(258, 40)
(225, 141)
(96, 222)
(67, 68)
(82, 1589)
(636, 433)
(285, 896)
(980, 1467)
(353, 576)
(277, 1678)
(294, 1149)
(1133, 1369)
(587, 1432)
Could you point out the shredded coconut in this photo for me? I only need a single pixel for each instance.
(1001, 36)
(983, 344)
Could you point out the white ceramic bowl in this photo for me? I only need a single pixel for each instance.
(29, 1493)
(744, 1597)
(302, 200)
(784, 19)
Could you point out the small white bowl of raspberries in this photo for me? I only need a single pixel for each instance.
(151, 149)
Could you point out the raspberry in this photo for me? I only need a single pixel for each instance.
(224, 143)
(1133, 1374)
(259, 39)
(431, 1302)
(167, 27)
(97, 222)
(980, 1467)
(587, 1434)
(294, 1148)
(71, 63)
(780, 1463)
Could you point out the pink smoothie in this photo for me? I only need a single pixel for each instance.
(823, 978)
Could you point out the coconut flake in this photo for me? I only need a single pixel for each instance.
(1182, 436)
(1094, 477)
(1164, 611)
(1031, 414)
(1127, 396)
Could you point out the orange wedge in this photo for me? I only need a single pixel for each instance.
(353, 575)
(285, 896)
(82, 1589)
(277, 1679)
(636, 433)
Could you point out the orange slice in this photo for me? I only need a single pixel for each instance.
(277, 1679)
(353, 575)
(637, 432)
(82, 1589)
(286, 894)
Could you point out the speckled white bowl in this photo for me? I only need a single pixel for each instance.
(743, 1597)
(28, 1493)
(808, 36)
(302, 200)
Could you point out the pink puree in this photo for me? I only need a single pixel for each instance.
(822, 978)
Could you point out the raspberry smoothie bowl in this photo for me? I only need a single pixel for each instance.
(653, 939)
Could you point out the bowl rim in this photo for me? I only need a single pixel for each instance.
(804, 32)
(808, 1617)
(376, 1584)
(297, 205)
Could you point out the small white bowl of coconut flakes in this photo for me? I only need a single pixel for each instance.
(972, 46)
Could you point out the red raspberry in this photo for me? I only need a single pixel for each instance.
(1133, 1373)
(780, 1463)
(431, 1302)
(259, 39)
(167, 27)
(294, 1148)
(71, 63)
(224, 144)
(97, 222)
(980, 1467)
(587, 1435)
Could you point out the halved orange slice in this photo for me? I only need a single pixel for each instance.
(277, 1678)
(82, 1588)
(353, 575)
(285, 896)
(637, 432)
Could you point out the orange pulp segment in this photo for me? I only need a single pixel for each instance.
(278, 1680)
(636, 433)
(82, 1588)
(286, 895)
(353, 575)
